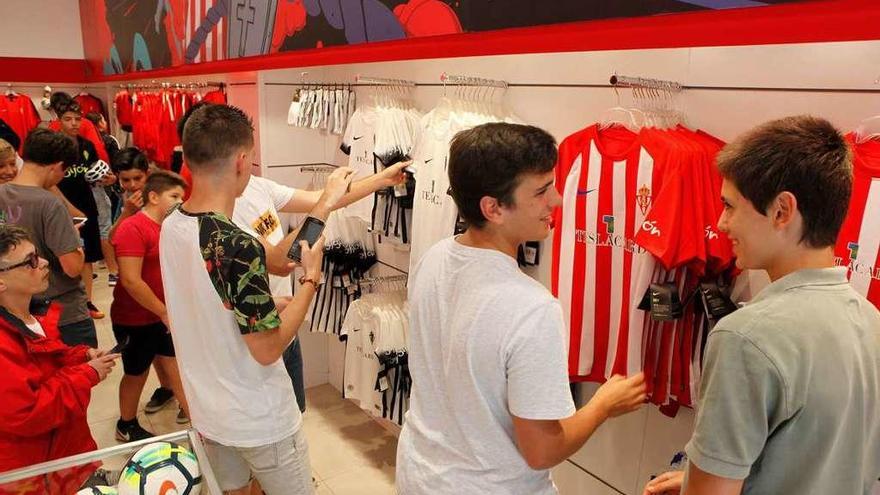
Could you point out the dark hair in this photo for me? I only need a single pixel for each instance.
(490, 160)
(804, 155)
(61, 103)
(162, 180)
(186, 115)
(45, 147)
(214, 133)
(129, 159)
(11, 236)
(94, 117)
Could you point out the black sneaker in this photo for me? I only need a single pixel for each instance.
(161, 397)
(131, 431)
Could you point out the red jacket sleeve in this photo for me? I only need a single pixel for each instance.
(36, 408)
(75, 355)
(88, 131)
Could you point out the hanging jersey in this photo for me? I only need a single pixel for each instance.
(359, 143)
(20, 114)
(858, 245)
(613, 190)
(434, 210)
(123, 105)
(90, 104)
(361, 363)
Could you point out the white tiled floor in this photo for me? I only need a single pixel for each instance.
(350, 453)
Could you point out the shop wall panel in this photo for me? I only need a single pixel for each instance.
(571, 480)
(664, 438)
(48, 29)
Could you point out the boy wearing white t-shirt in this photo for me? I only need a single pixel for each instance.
(491, 410)
(217, 289)
(257, 213)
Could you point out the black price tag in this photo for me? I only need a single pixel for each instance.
(716, 304)
(665, 302)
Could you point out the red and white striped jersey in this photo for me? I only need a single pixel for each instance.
(612, 190)
(183, 22)
(858, 245)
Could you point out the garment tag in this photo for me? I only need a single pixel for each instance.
(346, 280)
(716, 304)
(400, 190)
(383, 383)
(665, 302)
(532, 251)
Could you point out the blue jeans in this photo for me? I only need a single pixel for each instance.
(81, 332)
(293, 361)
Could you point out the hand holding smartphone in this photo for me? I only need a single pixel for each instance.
(310, 232)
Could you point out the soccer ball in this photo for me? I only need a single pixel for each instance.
(98, 490)
(161, 468)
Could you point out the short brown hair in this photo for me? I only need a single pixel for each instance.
(214, 133)
(45, 147)
(11, 236)
(804, 155)
(160, 181)
(490, 160)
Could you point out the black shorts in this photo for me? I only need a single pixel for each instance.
(145, 343)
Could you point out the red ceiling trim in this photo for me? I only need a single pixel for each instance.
(55, 70)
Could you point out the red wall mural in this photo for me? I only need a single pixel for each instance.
(122, 36)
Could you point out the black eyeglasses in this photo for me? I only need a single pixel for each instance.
(31, 260)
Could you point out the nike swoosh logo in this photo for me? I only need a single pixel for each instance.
(584, 192)
(356, 138)
(429, 160)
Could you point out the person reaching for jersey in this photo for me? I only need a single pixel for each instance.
(790, 392)
(491, 410)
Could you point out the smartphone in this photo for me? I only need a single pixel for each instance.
(79, 220)
(121, 346)
(310, 231)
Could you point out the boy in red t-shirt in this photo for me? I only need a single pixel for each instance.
(138, 310)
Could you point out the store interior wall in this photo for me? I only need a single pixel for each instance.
(763, 82)
(41, 29)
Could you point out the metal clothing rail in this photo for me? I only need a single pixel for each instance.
(383, 279)
(544, 85)
(642, 82)
(173, 85)
(459, 80)
(303, 165)
(381, 81)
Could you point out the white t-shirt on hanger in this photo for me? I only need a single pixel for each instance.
(361, 364)
(359, 143)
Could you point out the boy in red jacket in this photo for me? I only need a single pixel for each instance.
(47, 385)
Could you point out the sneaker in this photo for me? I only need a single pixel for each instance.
(161, 397)
(112, 279)
(94, 312)
(182, 419)
(131, 432)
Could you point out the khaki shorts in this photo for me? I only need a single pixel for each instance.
(282, 468)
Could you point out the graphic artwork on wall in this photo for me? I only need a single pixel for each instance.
(132, 35)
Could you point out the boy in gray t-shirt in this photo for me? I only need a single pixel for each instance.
(791, 383)
(26, 202)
